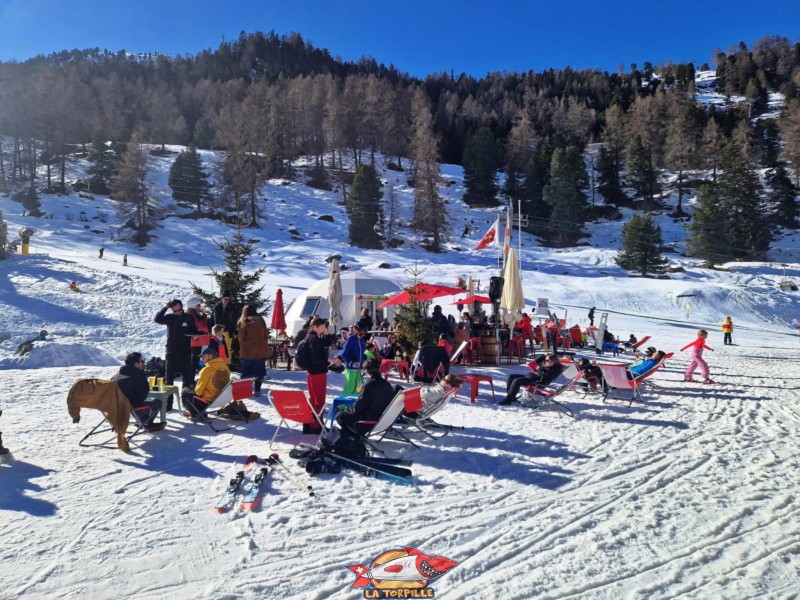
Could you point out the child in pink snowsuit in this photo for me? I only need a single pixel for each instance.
(697, 347)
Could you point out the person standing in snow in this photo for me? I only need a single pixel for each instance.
(727, 331)
(353, 358)
(101, 252)
(591, 317)
(254, 346)
(124, 260)
(132, 382)
(318, 342)
(180, 328)
(697, 347)
(195, 310)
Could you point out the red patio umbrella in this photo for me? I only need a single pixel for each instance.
(278, 315)
(421, 292)
(471, 299)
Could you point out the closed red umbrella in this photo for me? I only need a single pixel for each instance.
(421, 292)
(278, 314)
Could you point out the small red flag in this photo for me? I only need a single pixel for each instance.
(490, 237)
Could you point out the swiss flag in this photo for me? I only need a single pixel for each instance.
(490, 237)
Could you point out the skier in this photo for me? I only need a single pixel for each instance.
(124, 260)
(101, 252)
(591, 317)
(697, 347)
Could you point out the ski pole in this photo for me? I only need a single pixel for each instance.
(284, 471)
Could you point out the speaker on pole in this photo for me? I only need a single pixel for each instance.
(495, 288)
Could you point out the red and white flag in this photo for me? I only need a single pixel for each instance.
(507, 238)
(490, 237)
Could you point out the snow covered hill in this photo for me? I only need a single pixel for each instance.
(691, 494)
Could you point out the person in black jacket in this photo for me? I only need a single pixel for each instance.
(132, 382)
(225, 313)
(180, 327)
(548, 369)
(365, 322)
(375, 396)
(318, 341)
(440, 323)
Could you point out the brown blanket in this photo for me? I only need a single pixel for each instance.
(106, 397)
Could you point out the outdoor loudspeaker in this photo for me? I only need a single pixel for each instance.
(495, 288)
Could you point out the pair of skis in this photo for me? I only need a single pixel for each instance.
(251, 479)
(391, 469)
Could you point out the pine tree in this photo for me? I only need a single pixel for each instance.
(713, 143)
(682, 143)
(745, 214)
(135, 209)
(30, 201)
(783, 194)
(188, 179)
(102, 166)
(3, 237)
(364, 208)
(641, 175)
(709, 237)
(642, 247)
(537, 176)
(565, 194)
(413, 323)
(481, 160)
(520, 146)
(609, 182)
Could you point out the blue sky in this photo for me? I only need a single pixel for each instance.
(419, 37)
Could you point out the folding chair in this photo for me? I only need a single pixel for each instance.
(137, 422)
(545, 395)
(575, 337)
(457, 353)
(616, 378)
(424, 419)
(231, 393)
(404, 400)
(105, 396)
(640, 343)
(294, 405)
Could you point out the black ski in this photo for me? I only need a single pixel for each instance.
(389, 472)
(305, 450)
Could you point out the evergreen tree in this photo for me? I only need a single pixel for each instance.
(3, 237)
(135, 209)
(609, 182)
(30, 201)
(642, 247)
(364, 208)
(682, 141)
(713, 143)
(240, 284)
(565, 194)
(709, 237)
(783, 194)
(745, 214)
(520, 146)
(413, 323)
(188, 179)
(641, 175)
(102, 166)
(537, 176)
(481, 160)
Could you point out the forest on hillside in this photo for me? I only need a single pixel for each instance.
(265, 100)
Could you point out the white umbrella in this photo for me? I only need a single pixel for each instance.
(335, 294)
(512, 301)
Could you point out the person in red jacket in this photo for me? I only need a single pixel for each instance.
(697, 347)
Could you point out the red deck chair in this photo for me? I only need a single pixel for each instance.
(575, 336)
(640, 343)
(541, 396)
(232, 392)
(293, 405)
(616, 378)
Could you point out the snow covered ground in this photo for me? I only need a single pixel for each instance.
(693, 493)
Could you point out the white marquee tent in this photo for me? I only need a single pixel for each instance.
(359, 290)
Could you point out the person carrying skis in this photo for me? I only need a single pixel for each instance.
(697, 347)
(727, 331)
(132, 382)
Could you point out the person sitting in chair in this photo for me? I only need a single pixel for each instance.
(132, 382)
(643, 366)
(375, 396)
(214, 376)
(548, 368)
(431, 394)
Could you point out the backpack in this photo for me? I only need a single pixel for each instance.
(302, 355)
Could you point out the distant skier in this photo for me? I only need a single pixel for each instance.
(101, 252)
(591, 317)
(124, 260)
(727, 331)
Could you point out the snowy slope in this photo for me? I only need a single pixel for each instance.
(692, 494)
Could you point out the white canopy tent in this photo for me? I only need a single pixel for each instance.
(359, 290)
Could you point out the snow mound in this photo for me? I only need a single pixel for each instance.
(45, 355)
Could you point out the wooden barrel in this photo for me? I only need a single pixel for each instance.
(489, 349)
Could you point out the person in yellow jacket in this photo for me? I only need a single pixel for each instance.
(214, 376)
(727, 330)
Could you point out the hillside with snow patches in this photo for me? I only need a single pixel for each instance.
(691, 494)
